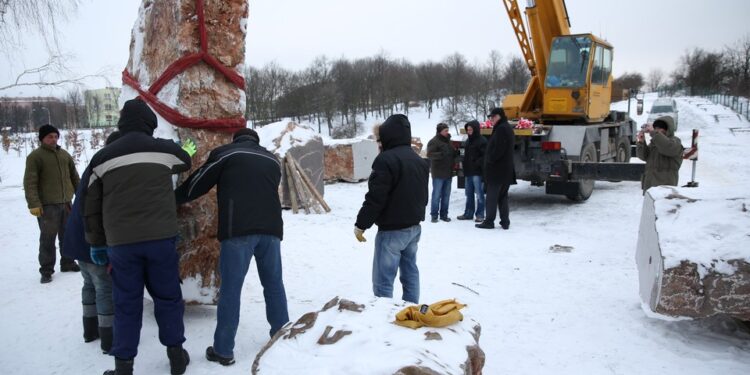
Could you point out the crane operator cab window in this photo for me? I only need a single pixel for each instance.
(568, 62)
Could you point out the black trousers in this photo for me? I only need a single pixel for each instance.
(497, 198)
(51, 226)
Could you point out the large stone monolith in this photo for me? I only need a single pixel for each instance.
(186, 59)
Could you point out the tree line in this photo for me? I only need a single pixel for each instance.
(343, 92)
(698, 72)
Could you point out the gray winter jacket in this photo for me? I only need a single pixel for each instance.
(663, 157)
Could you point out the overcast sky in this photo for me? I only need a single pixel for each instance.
(646, 34)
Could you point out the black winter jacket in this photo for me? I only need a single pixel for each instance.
(498, 160)
(397, 194)
(130, 197)
(247, 178)
(474, 151)
(442, 156)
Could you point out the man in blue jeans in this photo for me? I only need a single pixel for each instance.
(250, 225)
(442, 156)
(395, 201)
(474, 150)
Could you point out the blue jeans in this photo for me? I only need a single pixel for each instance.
(153, 264)
(474, 187)
(441, 195)
(234, 261)
(96, 294)
(396, 250)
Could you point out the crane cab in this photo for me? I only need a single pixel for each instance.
(578, 81)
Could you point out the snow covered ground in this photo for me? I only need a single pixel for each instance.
(542, 312)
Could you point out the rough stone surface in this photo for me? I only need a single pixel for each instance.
(165, 32)
(342, 340)
(689, 289)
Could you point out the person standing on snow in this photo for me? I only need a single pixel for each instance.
(663, 155)
(499, 172)
(395, 201)
(474, 150)
(96, 294)
(250, 224)
(442, 156)
(49, 182)
(130, 214)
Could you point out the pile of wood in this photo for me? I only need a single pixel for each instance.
(302, 190)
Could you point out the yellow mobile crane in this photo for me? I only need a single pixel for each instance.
(568, 96)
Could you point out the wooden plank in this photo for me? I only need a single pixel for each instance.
(310, 185)
(292, 188)
(304, 196)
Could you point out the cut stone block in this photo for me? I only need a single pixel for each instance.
(350, 161)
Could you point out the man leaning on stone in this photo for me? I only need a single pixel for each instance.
(49, 182)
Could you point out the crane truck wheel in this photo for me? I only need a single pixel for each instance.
(585, 187)
(623, 150)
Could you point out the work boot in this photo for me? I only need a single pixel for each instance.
(434, 219)
(122, 367)
(178, 359)
(485, 225)
(479, 220)
(90, 328)
(105, 333)
(46, 279)
(463, 217)
(446, 219)
(213, 357)
(72, 267)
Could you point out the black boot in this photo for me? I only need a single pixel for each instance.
(105, 333)
(178, 359)
(90, 328)
(122, 367)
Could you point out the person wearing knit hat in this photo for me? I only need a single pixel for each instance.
(442, 157)
(49, 182)
(663, 155)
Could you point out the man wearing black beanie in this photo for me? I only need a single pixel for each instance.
(49, 182)
(250, 225)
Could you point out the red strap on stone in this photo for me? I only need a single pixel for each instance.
(179, 66)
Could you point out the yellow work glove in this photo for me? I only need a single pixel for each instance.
(360, 234)
(36, 211)
(439, 314)
(189, 147)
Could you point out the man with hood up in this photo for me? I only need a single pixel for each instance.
(663, 155)
(474, 150)
(396, 202)
(130, 214)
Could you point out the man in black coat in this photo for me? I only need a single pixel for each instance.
(247, 177)
(395, 201)
(499, 172)
(442, 156)
(474, 150)
(130, 213)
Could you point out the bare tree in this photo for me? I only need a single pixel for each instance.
(34, 16)
(516, 75)
(655, 80)
(738, 66)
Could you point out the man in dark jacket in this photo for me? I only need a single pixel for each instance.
(442, 156)
(96, 294)
(474, 150)
(48, 183)
(250, 224)
(663, 155)
(499, 172)
(130, 213)
(395, 201)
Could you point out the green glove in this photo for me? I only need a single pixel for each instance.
(189, 147)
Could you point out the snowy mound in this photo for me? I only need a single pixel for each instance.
(349, 338)
(280, 137)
